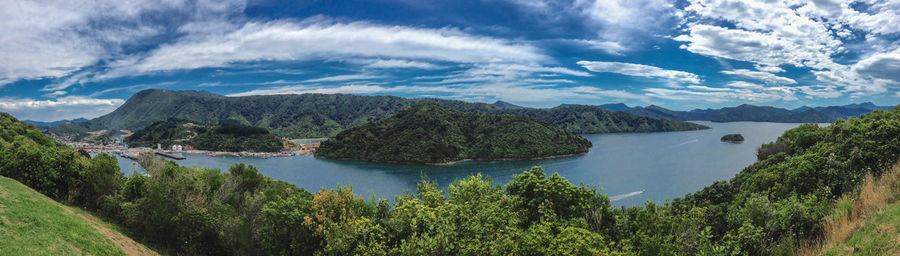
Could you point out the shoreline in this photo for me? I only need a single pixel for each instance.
(461, 160)
(122, 151)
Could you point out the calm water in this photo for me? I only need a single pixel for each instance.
(665, 165)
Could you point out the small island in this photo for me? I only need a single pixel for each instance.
(733, 138)
(224, 137)
(436, 134)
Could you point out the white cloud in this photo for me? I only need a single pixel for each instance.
(610, 47)
(640, 70)
(68, 107)
(317, 38)
(734, 91)
(761, 48)
(770, 69)
(745, 85)
(395, 63)
(617, 25)
(827, 92)
(339, 78)
(718, 95)
(881, 17)
(77, 78)
(52, 39)
(55, 94)
(503, 73)
(133, 88)
(766, 77)
(707, 88)
(473, 92)
(804, 34)
(880, 66)
(621, 20)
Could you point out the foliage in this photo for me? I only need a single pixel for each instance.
(432, 133)
(733, 138)
(769, 208)
(324, 115)
(772, 148)
(228, 136)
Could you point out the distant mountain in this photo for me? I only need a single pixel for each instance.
(845, 111)
(506, 105)
(435, 133)
(868, 105)
(801, 109)
(841, 112)
(743, 112)
(54, 123)
(746, 112)
(616, 107)
(324, 115)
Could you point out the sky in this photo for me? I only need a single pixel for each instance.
(83, 58)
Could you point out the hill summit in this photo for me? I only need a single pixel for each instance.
(434, 133)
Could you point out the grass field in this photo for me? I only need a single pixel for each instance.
(866, 222)
(32, 224)
(877, 234)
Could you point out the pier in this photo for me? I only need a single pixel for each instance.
(176, 156)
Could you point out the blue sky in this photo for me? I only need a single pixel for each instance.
(69, 59)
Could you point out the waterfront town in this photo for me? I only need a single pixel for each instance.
(177, 152)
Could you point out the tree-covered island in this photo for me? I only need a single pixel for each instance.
(435, 133)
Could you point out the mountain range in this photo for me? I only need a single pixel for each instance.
(753, 113)
(324, 115)
(54, 123)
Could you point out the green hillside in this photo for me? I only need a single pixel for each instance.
(227, 136)
(866, 222)
(434, 133)
(878, 234)
(33, 224)
(324, 115)
(790, 198)
(743, 112)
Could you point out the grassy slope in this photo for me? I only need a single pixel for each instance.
(32, 224)
(877, 234)
(866, 223)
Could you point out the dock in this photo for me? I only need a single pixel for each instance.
(176, 156)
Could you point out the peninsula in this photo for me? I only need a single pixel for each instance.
(228, 136)
(437, 134)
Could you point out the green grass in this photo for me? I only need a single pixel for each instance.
(879, 234)
(32, 224)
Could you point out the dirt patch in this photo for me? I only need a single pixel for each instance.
(887, 229)
(129, 246)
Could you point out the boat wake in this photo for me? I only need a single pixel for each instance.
(627, 195)
(684, 143)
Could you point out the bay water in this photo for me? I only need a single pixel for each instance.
(631, 168)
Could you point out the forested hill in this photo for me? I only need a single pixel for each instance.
(434, 133)
(227, 136)
(800, 193)
(747, 112)
(324, 115)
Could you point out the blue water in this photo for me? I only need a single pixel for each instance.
(664, 165)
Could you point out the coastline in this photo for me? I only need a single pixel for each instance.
(124, 151)
(460, 160)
